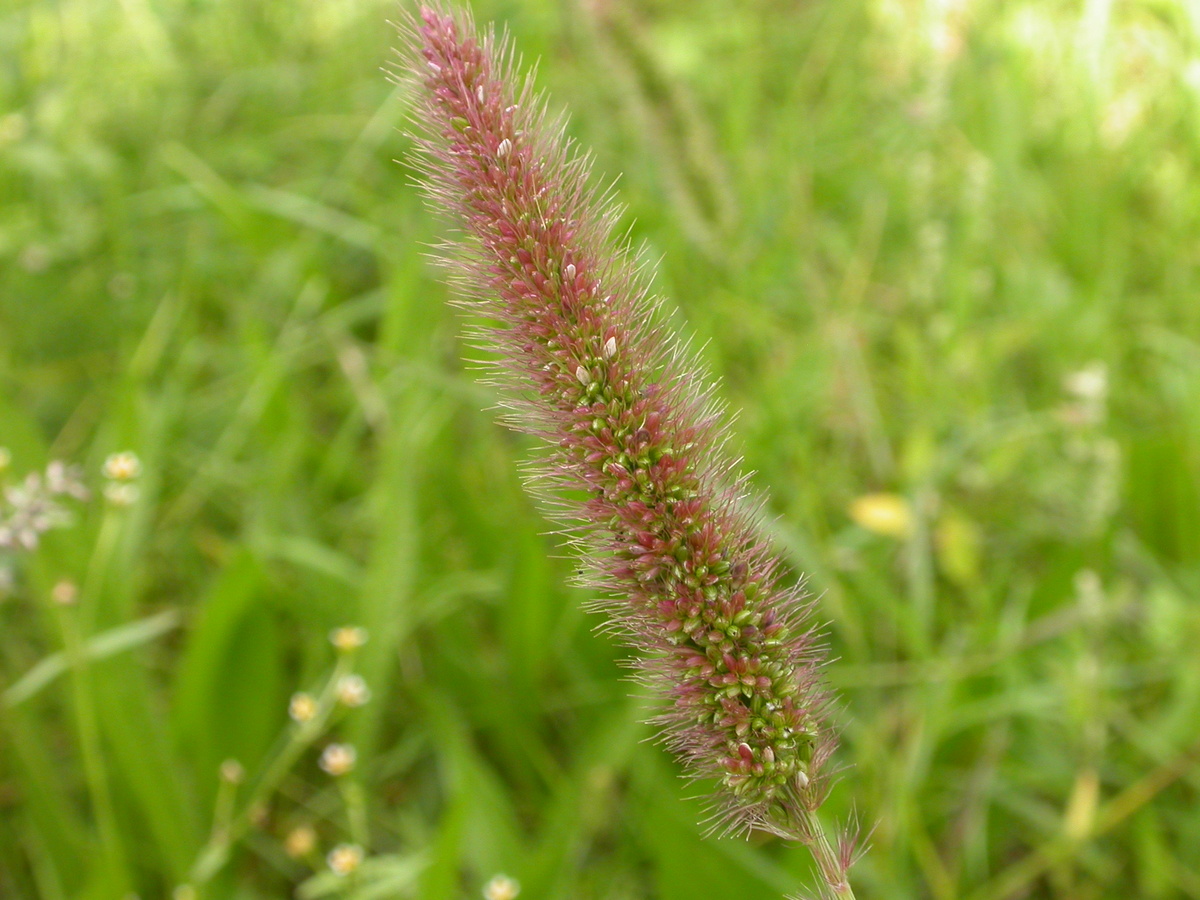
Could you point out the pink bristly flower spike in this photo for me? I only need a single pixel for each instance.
(668, 531)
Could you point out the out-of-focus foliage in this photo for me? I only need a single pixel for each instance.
(945, 256)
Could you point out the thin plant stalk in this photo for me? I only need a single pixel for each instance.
(229, 827)
(76, 620)
(88, 730)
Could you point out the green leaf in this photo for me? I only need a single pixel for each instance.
(102, 646)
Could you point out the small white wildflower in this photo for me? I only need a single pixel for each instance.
(801, 779)
(338, 759)
(302, 707)
(232, 771)
(300, 841)
(56, 474)
(34, 507)
(1089, 383)
(62, 479)
(501, 887)
(64, 593)
(503, 148)
(479, 93)
(27, 493)
(124, 466)
(121, 493)
(345, 859)
(570, 271)
(352, 690)
(347, 638)
(610, 348)
(584, 376)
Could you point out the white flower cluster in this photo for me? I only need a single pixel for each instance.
(121, 471)
(33, 506)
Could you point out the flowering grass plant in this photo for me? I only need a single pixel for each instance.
(638, 468)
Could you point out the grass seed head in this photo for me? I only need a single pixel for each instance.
(666, 532)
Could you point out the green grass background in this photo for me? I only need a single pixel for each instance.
(896, 227)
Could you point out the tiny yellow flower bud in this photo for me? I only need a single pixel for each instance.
(300, 841)
(122, 466)
(348, 638)
(65, 593)
(886, 514)
(345, 859)
(338, 759)
(302, 707)
(501, 887)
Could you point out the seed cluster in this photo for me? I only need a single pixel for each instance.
(665, 524)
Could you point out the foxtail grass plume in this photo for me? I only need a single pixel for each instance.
(638, 469)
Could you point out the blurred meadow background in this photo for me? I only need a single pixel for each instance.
(945, 257)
